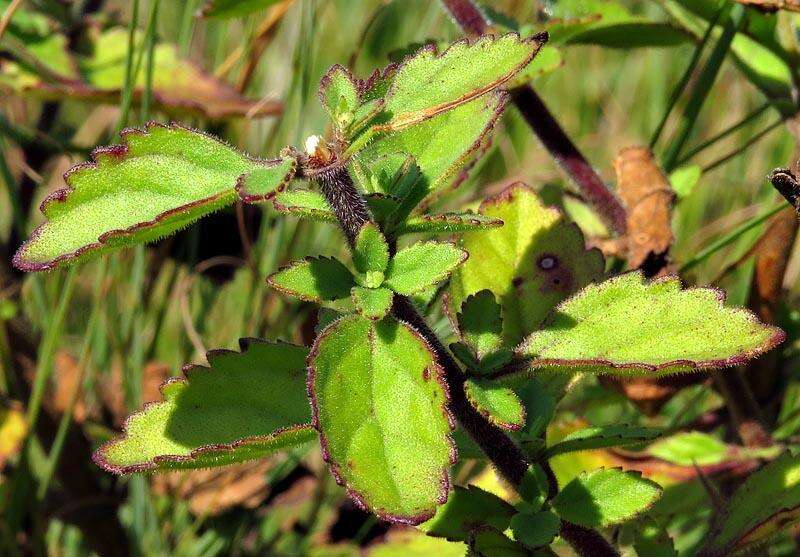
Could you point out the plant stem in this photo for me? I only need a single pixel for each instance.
(352, 213)
(472, 21)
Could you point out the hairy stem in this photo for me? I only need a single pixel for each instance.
(352, 213)
(472, 21)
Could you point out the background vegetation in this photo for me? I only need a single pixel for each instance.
(81, 348)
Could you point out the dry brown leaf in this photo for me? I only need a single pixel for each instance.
(214, 491)
(68, 381)
(646, 192)
(649, 394)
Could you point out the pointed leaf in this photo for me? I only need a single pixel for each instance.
(605, 497)
(421, 265)
(314, 279)
(485, 541)
(160, 180)
(339, 96)
(429, 83)
(264, 183)
(690, 448)
(380, 406)
(246, 405)
(467, 508)
(371, 252)
(767, 502)
(626, 325)
(535, 530)
(373, 303)
(480, 323)
(603, 436)
(313, 205)
(445, 223)
(499, 404)
(533, 262)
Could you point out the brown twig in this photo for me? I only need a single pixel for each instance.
(473, 22)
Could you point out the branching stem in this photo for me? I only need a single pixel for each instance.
(352, 213)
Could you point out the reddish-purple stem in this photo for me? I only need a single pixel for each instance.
(473, 22)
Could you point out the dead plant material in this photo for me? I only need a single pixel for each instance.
(647, 194)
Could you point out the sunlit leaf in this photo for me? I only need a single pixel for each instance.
(246, 405)
(626, 325)
(339, 96)
(605, 497)
(371, 252)
(379, 404)
(412, 543)
(497, 403)
(447, 223)
(533, 262)
(421, 265)
(314, 279)
(161, 179)
(372, 303)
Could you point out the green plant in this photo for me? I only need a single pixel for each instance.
(531, 308)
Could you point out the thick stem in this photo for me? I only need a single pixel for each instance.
(351, 212)
(472, 21)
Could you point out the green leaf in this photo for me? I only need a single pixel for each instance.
(304, 203)
(603, 436)
(226, 9)
(380, 406)
(373, 303)
(445, 223)
(412, 543)
(536, 260)
(371, 252)
(636, 33)
(421, 265)
(653, 540)
(605, 497)
(467, 508)
(264, 183)
(690, 448)
(160, 180)
(314, 279)
(429, 83)
(499, 404)
(485, 541)
(535, 530)
(339, 96)
(627, 326)
(767, 502)
(440, 146)
(684, 178)
(480, 323)
(246, 405)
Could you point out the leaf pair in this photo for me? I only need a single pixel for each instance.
(378, 276)
(160, 180)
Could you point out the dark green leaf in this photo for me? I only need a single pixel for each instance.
(603, 436)
(535, 530)
(499, 404)
(371, 252)
(480, 323)
(466, 509)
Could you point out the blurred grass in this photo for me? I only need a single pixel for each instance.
(144, 306)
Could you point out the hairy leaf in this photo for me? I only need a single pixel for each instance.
(535, 530)
(445, 223)
(380, 406)
(605, 497)
(626, 325)
(373, 303)
(304, 203)
(246, 405)
(440, 146)
(160, 180)
(466, 508)
(485, 541)
(767, 502)
(371, 252)
(690, 448)
(533, 262)
(421, 265)
(603, 436)
(499, 404)
(314, 279)
(480, 323)
(429, 83)
(339, 96)
(224, 9)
